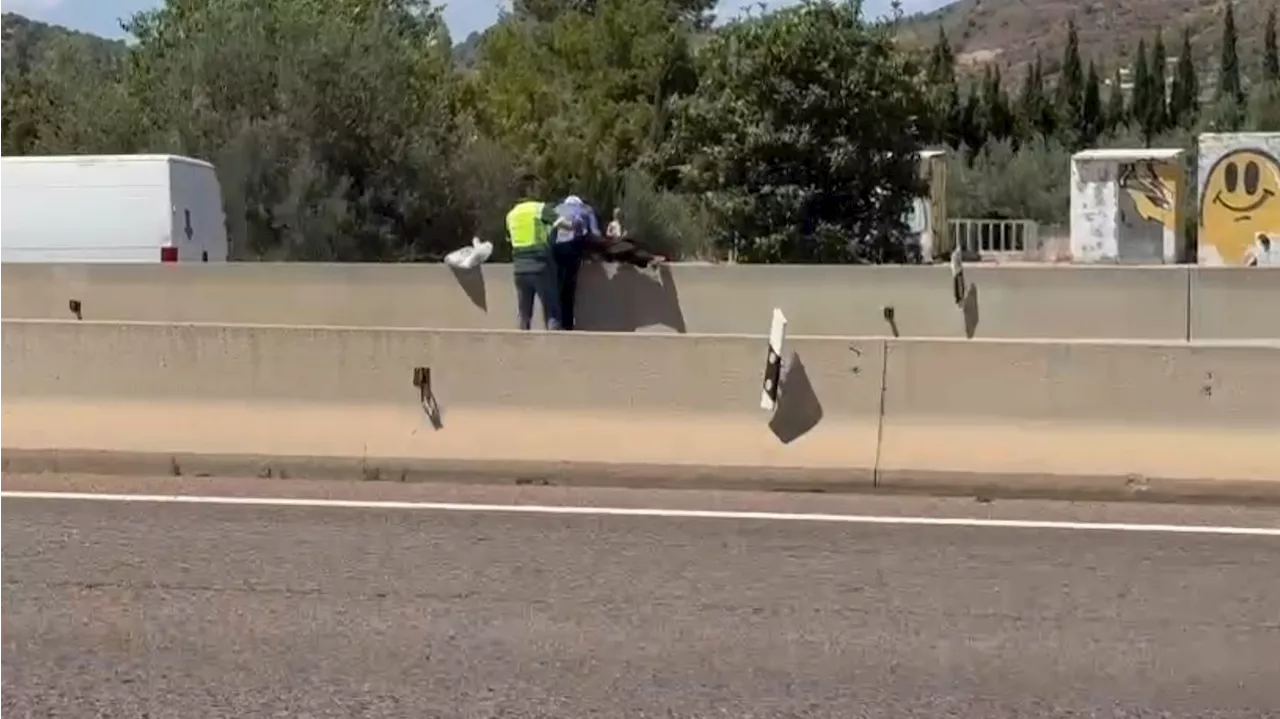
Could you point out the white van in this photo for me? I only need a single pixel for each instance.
(111, 208)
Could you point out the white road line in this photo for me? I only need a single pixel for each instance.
(647, 512)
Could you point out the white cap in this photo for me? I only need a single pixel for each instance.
(573, 200)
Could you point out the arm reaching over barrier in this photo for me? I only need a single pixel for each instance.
(616, 246)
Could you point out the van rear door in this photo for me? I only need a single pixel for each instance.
(199, 223)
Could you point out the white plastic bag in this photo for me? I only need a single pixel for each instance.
(469, 258)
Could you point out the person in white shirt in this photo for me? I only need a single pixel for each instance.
(569, 245)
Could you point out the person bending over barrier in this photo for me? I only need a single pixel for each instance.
(568, 249)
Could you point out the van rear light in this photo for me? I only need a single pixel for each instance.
(168, 254)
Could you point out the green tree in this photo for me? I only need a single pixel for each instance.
(581, 96)
(1157, 118)
(1070, 94)
(62, 92)
(945, 94)
(1192, 75)
(1116, 115)
(1031, 181)
(942, 60)
(949, 110)
(803, 135)
(25, 109)
(1270, 55)
(696, 11)
(331, 122)
(1093, 119)
(1264, 99)
(1184, 96)
(997, 115)
(972, 121)
(1035, 111)
(26, 104)
(1230, 86)
(1264, 108)
(1140, 99)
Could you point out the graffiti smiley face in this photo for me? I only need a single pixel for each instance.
(1240, 198)
(1244, 182)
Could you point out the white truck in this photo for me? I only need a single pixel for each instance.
(111, 208)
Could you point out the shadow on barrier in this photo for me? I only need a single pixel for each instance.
(427, 397)
(630, 299)
(798, 409)
(472, 282)
(970, 309)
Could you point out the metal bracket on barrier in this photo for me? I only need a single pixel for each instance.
(422, 380)
(74, 306)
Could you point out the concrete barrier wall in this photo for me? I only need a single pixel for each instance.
(1152, 303)
(853, 410)
(502, 395)
(1131, 410)
(1235, 302)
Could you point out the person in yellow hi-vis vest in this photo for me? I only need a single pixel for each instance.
(529, 227)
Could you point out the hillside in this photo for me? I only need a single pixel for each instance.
(1010, 32)
(28, 42)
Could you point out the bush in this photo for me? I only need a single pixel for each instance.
(665, 222)
(1031, 182)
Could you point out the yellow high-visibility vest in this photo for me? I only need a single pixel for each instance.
(525, 226)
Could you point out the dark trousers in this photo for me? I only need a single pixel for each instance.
(543, 286)
(568, 260)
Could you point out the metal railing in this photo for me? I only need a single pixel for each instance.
(995, 239)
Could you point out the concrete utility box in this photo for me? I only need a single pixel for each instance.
(1126, 207)
(1239, 201)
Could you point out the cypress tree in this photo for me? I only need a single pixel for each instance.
(1178, 91)
(1116, 117)
(1229, 85)
(955, 116)
(1157, 121)
(1034, 107)
(1070, 95)
(1004, 116)
(1027, 103)
(1270, 55)
(973, 131)
(942, 61)
(1184, 98)
(1091, 106)
(991, 101)
(1139, 103)
(942, 75)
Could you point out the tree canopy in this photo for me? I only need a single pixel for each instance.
(802, 135)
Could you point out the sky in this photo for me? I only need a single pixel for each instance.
(101, 17)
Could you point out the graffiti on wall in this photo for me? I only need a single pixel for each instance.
(1240, 199)
(1148, 209)
(1152, 187)
(1126, 206)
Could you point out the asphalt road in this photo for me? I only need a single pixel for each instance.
(194, 611)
